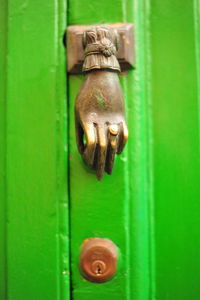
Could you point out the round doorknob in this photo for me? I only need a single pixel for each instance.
(98, 259)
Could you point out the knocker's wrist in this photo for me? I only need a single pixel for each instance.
(100, 48)
(99, 61)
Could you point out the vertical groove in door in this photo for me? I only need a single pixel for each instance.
(197, 48)
(63, 242)
(3, 68)
(140, 165)
(68, 119)
(143, 87)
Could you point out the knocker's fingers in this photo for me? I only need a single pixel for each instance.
(123, 137)
(102, 149)
(89, 152)
(112, 149)
(79, 136)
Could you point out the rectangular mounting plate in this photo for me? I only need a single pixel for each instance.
(75, 51)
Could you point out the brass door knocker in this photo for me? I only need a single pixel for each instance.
(101, 129)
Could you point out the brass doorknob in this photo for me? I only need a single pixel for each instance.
(99, 108)
(98, 260)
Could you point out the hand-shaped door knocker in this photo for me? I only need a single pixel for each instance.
(99, 109)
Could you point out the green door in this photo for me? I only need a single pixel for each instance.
(50, 202)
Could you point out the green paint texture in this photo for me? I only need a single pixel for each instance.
(175, 121)
(149, 207)
(36, 243)
(116, 207)
(3, 37)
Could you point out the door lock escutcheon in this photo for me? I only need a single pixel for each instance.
(98, 260)
(101, 51)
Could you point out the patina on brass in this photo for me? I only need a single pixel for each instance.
(98, 259)
(75, 50)
(99, 108)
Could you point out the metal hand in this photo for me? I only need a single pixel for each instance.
(99, 114)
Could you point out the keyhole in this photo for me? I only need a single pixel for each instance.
(98, 270)
(98, 267)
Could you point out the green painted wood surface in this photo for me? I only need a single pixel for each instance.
(35, 166)
(116, 207)
(3, 30)
(150, 205)
(175, 117)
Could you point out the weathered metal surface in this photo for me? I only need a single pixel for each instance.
(75, 50)
(100, 45)
(99, 108)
